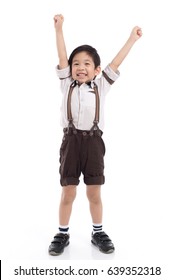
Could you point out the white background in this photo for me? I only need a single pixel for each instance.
(139, 130)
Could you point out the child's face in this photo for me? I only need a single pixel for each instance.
(83, 68)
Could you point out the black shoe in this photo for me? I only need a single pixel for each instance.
(58, 244)
(103, 242)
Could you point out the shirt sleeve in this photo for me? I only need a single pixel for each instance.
(65, 78)
(110, 75)
(105, 81)
(63, 73)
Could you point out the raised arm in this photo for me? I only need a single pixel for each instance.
(60, 42)
(118, 59)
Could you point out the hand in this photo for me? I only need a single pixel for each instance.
(136, 33)
(58, 21)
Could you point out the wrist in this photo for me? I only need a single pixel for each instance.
(131, 40)
(59, 29)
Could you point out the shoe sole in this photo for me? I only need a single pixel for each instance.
(53, 253)
(105, 252)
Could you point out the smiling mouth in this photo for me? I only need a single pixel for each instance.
(81, 75)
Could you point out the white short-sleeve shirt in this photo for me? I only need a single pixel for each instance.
(83, 98)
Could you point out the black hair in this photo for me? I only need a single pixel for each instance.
(91, 52)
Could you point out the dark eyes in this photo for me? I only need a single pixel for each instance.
(87, 64)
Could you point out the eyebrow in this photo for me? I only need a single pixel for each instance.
(86, 60)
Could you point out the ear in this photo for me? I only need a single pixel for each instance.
(97, 70)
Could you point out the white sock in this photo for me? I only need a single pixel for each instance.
(97, 228)
(64, 229)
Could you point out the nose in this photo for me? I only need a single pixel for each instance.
(81, 66)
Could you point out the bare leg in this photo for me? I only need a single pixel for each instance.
(94, 196)
(99, 239)
(65, 208)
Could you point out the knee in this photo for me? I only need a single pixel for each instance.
(68, 197)
(94, 198)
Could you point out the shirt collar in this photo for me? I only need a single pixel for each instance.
(90, 83)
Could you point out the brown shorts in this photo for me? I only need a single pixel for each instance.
(82, 153)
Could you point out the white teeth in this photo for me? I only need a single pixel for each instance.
(80, 75)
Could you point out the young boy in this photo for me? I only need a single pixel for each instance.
(82, 149)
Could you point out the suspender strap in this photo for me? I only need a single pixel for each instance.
(97, 107)
(69, 114)
(97, 104)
